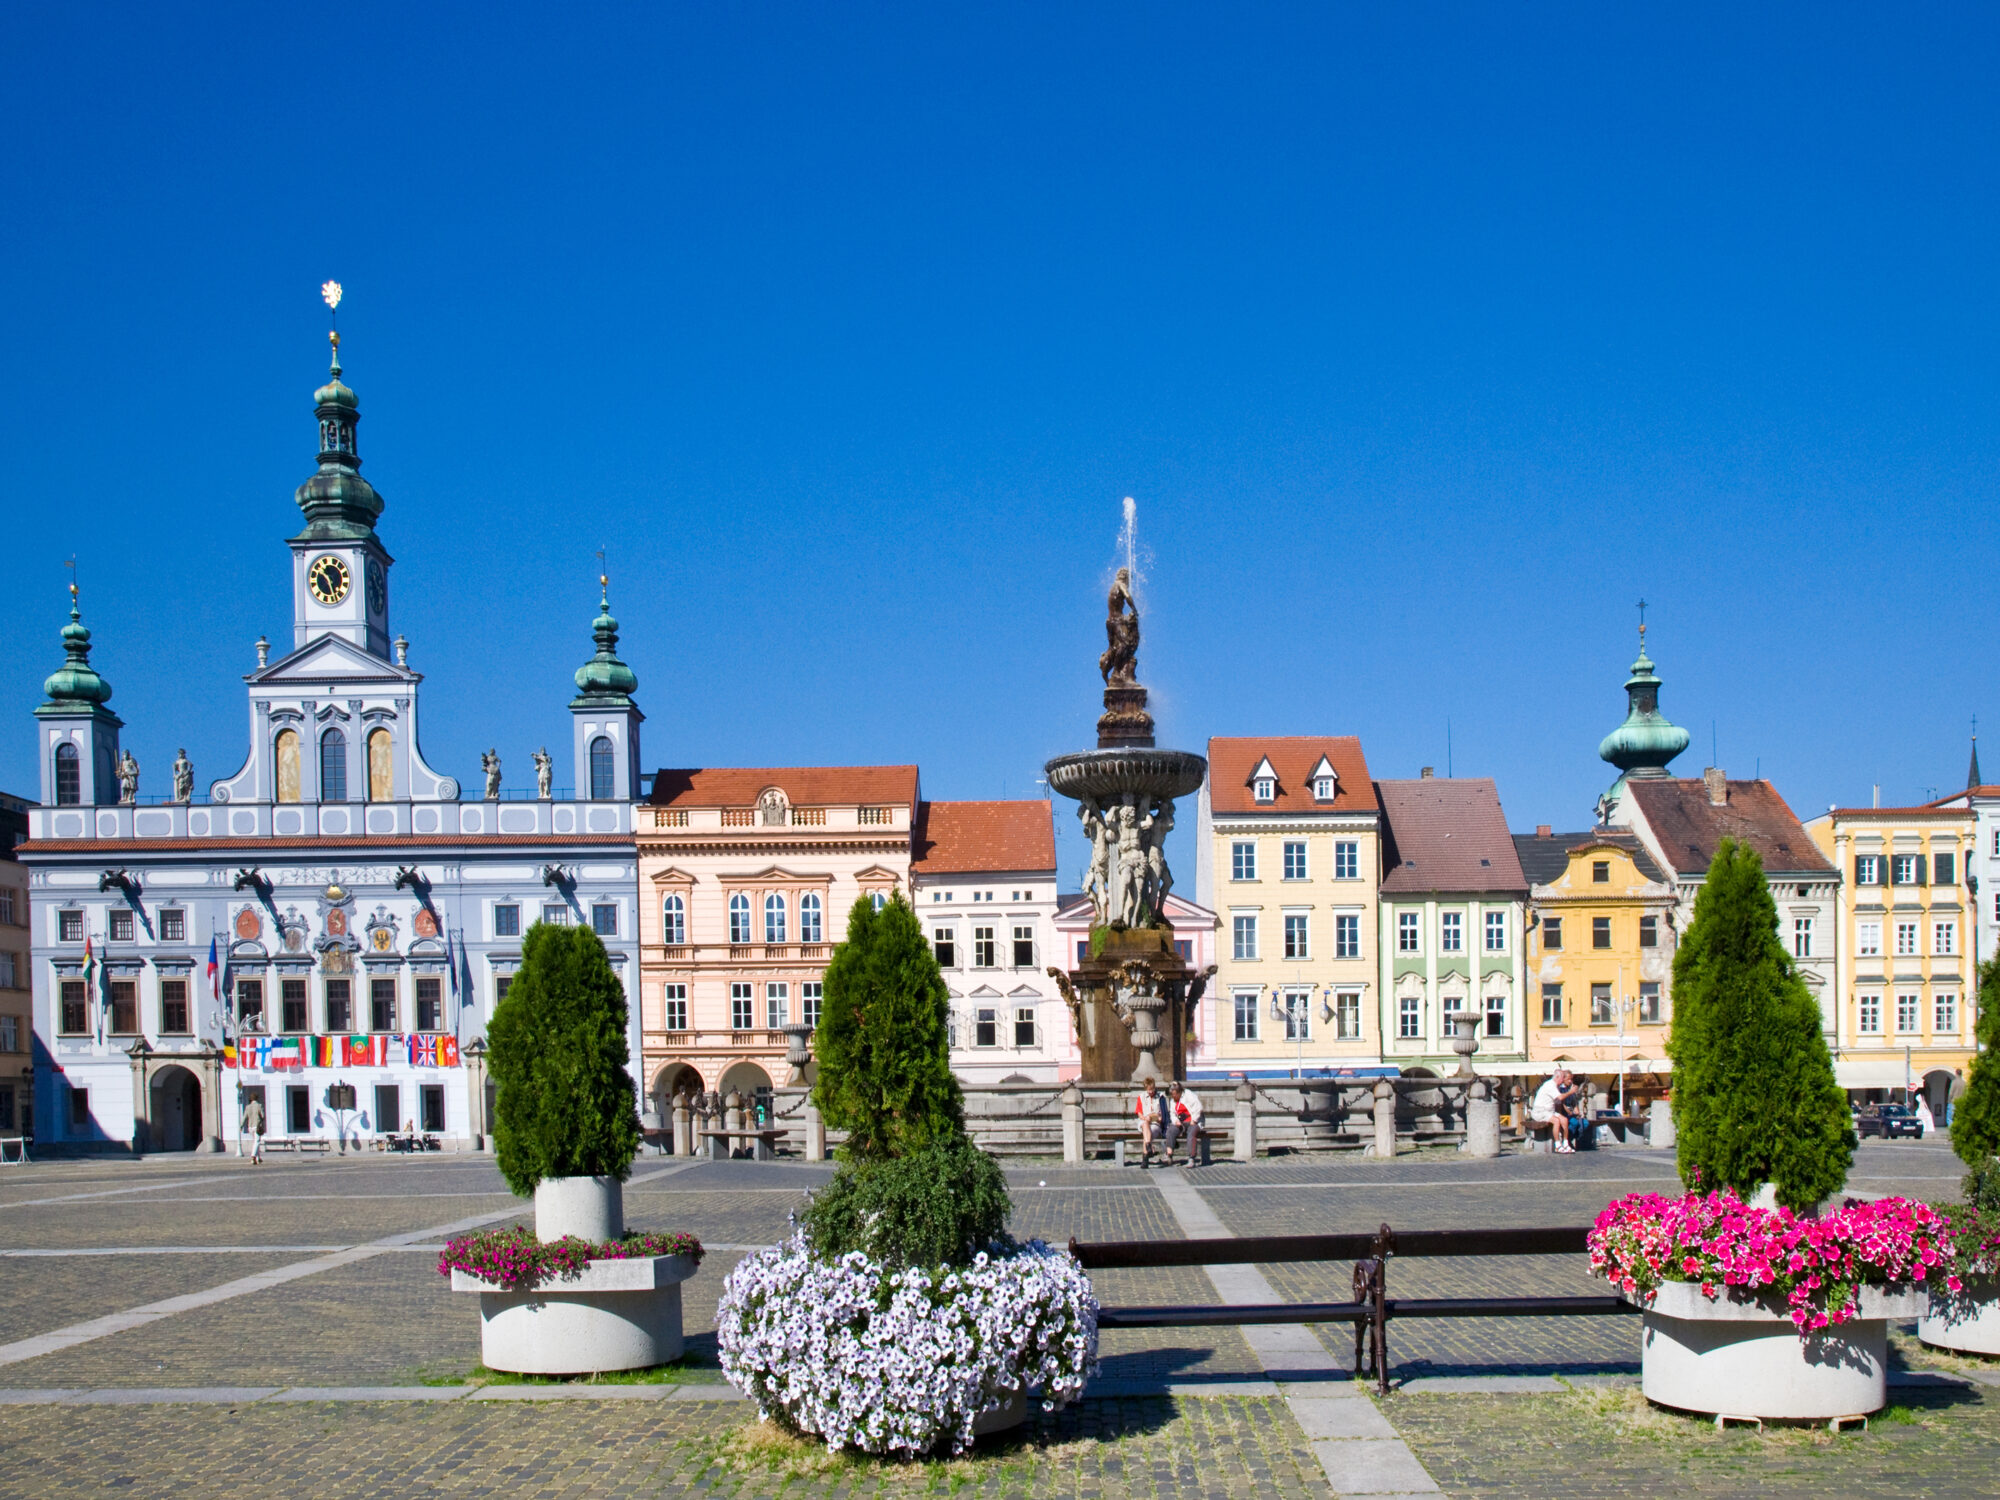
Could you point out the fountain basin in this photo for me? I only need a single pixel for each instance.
(1112, 773)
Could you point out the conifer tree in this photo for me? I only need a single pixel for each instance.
(1755, 1099)
(556, 1048)
(1975, 1121)
(883, 1043)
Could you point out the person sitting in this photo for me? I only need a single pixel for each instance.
(1183, 1118)
(1151, 1119)
(1554, 1105)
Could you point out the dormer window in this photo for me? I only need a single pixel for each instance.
(1325, 780)
(1264, 781)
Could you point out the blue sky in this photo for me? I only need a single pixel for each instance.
(1427, 338)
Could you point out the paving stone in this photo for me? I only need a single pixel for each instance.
(1340, 1418)
(1373, 1466)
(210, 1395)
(375, 1393)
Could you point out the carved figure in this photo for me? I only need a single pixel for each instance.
(183, 776)
(1130, 879)
(490, 764)
(545, 770)
(1120, 660)
(128, 777)
(1097, 883)
(1159, 878)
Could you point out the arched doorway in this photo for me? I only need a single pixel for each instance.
(175, 1119)
(672, 1080)
(1936, 1090)
(754, 1084)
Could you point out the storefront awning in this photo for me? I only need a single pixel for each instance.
(1875, 1073)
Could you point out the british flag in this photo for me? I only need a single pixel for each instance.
(423, 1052)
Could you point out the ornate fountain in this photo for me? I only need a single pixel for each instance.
(1132, 996)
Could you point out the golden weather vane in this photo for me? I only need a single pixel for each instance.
(331, 292)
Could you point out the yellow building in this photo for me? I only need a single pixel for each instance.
(1904, 972)
(1288, 857)
(1600, 952)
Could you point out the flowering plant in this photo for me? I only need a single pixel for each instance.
(898, 1361)
(1817, 1265)
(515, 1259)
(1972, 1235)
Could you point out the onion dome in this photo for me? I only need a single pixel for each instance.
(604, 681)
(1647, 740)
(75, 684)
(339, 504)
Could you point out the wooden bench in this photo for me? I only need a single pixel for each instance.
(1124, 1141)
(764, 1141)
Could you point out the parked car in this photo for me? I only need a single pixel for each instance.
(1888, 1121)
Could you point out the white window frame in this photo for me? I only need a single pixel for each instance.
(1451, 932)
(1409, 933)
(1496, 932)
(777, 1005)
(1944, 938)
(742, 1006)
(1347, 1015)
(1265, 789)
(1867, 939)
(1244, 1005)
(1243, 936)
(1410, 1018)
(1347, 934)
(1868, 1019)
(1552, 994)
(1910, 1009)
(1297, 1006)
(739, 906)
(674, 1006)
(812, 925)
(1802, 937)
(1347, 859)
(776, 919)
(673, 921)
(1944, 1013)
(1243, 859)
(812, 996)
(1287, 851)
(1907, 937)
(1654, 1013)
(1298, 939)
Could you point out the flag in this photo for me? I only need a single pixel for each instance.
(214, 974)
(423, 1052)
(324, 1052)
(366, 1051)
(286, 1052)
(451, 957)
(253, 1053)
(229, 1054)
(447, 1052)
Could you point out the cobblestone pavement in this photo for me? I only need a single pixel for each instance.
(390, 1319)
(1154, 1447)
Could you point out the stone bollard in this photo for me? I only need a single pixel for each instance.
(1482, 1119)
(1385, 1118)
(1072, 1124)
(1245, 1134)
(684, 1126)
(711, 1119)
(1660, 1125)
(815, 1132)
(735, 1117)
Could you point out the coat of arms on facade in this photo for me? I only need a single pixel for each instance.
(249, 926)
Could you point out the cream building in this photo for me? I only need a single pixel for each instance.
(1905, 955)
(1288, 857)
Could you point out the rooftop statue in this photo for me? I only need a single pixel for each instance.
(1120, 660)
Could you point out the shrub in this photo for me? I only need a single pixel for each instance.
(1755, 1099)
(938, 1206)
(883, 1043)
(905, 1361)
(1975, 1120)
(556, 1048)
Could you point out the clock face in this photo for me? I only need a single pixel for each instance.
(378, 587)
(328, 579)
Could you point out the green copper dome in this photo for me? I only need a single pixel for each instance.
(75, 684)
(1646, 741)
(604, 680)
(339, 505)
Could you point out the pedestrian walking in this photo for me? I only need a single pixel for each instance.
(253, 1128)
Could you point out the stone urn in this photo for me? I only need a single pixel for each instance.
(616, 1315)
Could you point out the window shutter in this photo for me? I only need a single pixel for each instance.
(1857, 869)
(1922, 871)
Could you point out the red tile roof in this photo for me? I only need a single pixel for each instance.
(803, 786)
(1687, 827)
(970, 837)
(1446, 833)
(1231, 761)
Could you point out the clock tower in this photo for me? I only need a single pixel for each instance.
(340, 569)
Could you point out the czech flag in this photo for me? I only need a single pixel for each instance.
(214, 973)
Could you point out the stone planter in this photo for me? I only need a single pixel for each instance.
(1741, 1355)
(1010, 1414)
(618, 1315)
(1967, 1322)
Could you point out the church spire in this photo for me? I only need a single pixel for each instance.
(1647, 740)
(1972, 771)
(75, 686)
(339, 504)
(604, 681)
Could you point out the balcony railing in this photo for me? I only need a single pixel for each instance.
(739, 817)
(875, 816)
(670, 817)
(808, 817)
(676, 955)
(773, 951)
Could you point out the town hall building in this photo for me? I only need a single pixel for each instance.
(364, 911)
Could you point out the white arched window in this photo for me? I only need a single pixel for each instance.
(810, 930)
(673, 922)
(739, 918)
(877, 899)
(601, 764)
(774, 918)
(69, 776)
(333, 766)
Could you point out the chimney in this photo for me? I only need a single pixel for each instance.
(1878, 795)
(1718, 786)
(1425, 773)
(1544, 831)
